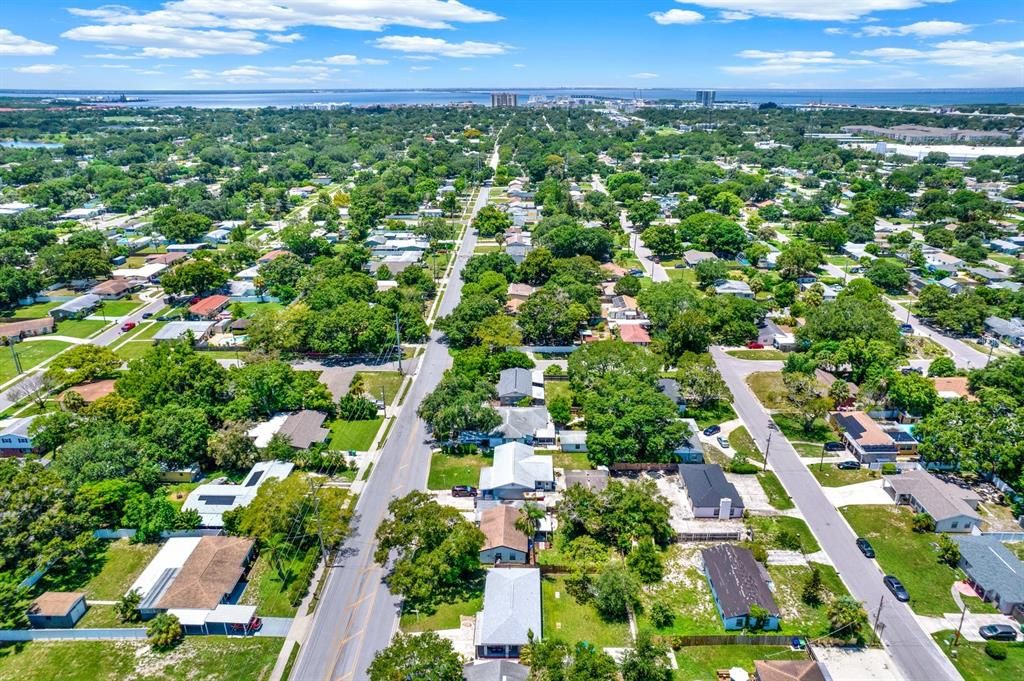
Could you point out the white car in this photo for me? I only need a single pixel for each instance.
(723, 442)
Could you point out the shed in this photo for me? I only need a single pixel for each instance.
(57, 610)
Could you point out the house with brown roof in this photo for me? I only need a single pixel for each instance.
(272, 255)
(952, 387)
(503, 543)
(864, 438)
(208, 308)
(57, 610)
(114, 289)
(90, 392)
(634, 334)
(788, 670)
(209, 575)
(165, 258)
(26, 328)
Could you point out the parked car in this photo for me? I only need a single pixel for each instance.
(896, 587)
(848, 465)
(255, 624)
(998, 632)
(865, 547)
(834, 446)
(906, 371)
(128, 326)
(754, 345)
(723, 442)
(463, 491)
(147, 315)
(711, 430)
(636, 273)
(906, 328)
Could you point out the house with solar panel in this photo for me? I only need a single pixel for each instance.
(211, 500)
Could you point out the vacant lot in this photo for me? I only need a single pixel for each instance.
(908, 555)
(447, 470)
(742, 443)
(566, 619)
(777, 496)
(355, 435)
(199, 657)
(381, 385)
(768, 387)
(447, 615)
(685, 590)
(30, 354)
(830, 476)
(768, 528)
(974, 665)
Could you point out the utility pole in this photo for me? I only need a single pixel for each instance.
(14, 355)
(398, 342)
(878, 615)
(822, 462)
(383, 402)
(767, 448)
(963, 613)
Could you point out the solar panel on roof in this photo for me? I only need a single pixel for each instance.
(216, 500)
(254, 479)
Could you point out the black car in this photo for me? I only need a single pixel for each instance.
(998, 632)
(848, 465)
(711, 430)
(865, 547)
(896, 587)
(834, 446)
(463, 491)
(147, 315)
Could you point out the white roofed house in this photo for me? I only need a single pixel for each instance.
(516, 472)
(211, 500)
(733, 287)
(511, 612)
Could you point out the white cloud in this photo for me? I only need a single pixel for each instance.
(519, 66)
(112, 55)
(465, 68)
(346, 60)
(440, 47)
(995, 63)
(677, 16)
(644, 75)
(836, 31)
(811, 10)
(792, 61)
(920, 29)
(164, 41)
(726, 17)
(295, 74)
(41, 68)
(284, 37)
(419, 68)
(14, 45)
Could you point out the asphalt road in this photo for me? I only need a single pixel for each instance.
(917, 656)
(963, 354)
(654, 270)
(357, 614)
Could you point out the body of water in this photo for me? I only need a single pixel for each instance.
(281, 98)
(19, 144)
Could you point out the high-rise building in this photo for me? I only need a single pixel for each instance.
(504, 99)
(706, 98)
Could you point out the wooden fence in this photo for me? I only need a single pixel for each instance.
(664, 467)
(725, 640)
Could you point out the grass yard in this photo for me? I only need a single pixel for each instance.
(777, 496)
(793, 429)
(447, 615)
(30, 353)
(267, 591)
(212, 658)
(566, 619)
(685, 590)
(767, 529)
(101, 617)
(768, 387)
(447, 470)
(1005, 258)
(133, 350)
(1016, 548)
(79, 328)
(974, 665)
(810, 450)
(35, 310)
(841, 260)
(799, 618)
(743, 443)
(712, 414)
(830, 476)
(701, 663)
(118, 308)
(251, 308)
(376, 381)
(357, 435)
(688, 275)
(765, 354)
(575, 461)
(122, 563)
(553, 389)
(906, 554)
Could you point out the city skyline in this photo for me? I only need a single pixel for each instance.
(323, 44)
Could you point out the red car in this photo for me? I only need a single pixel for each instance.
(128, 326)
(754, 345)
(255, 624)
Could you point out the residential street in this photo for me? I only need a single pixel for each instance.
(654, 270)
(357, 614)
(961, 352)
(918, 657)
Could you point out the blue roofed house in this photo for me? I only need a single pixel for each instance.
(995, 572)
(511, 612)
(738, 582)
(516, 471)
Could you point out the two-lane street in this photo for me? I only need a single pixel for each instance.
(357, 614)
(918, 657)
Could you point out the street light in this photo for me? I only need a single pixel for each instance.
(767, 448)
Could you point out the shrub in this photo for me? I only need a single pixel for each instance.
(758, 549)
(949, 551)
(662, 615)
(354, 408)
(889, 469)
(788, 539)
(579, 586)
(164, 632)
(922, 523)
(995, 650)
(554, 370)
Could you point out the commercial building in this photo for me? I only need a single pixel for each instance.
(706, 98)
(506, 99)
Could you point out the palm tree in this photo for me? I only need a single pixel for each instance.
(358, 385)
(529, 519)
(275, 546)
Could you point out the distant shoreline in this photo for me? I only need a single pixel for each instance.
(115, 91)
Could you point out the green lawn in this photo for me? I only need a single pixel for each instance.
(793, 429)
(687, 594)
(712, 414)
(566, 619)
(743, 443)
(553, 389)
(133, 350)
(767, 353)
(447, 615)
(906, 554)
(376, 381)
(777, 496)
(118, 308)
(150, 331)
(267, 591)
(101, 617)
(35, 311)
(30, 353)
(122, 563)
(799, 618)
(701, 663)
(767, 528)
(251, 308)
(447, 470)
(357, 435)
(1005, 259)
(841, 260)
(79, 328)
(198, 657)
(830, 476)
(575, 461)
(768, 387)
(974, 665)
(810, 450)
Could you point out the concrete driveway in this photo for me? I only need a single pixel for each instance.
(749, 487)
(859, 494)
(972, 622)
(857, 664)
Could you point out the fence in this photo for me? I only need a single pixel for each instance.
(113, 634)
(1003, 536)
(725, 640)
(738, 534)
(125, 533)
(663, 467)
(549, 349)
(901, 465)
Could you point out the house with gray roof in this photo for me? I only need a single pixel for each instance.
(996, 573)
(691, 449)
(76, 308)
(670, 388)
(1007, 330)
(514, 385)
(516, 470)
(495, 670)
(529, 425)
(693, 257)
(511, 612)
(304, 428)
(173, 331)
(733, 287)
(738, 582)
(211, 500)
(952, 508)
(711, 495)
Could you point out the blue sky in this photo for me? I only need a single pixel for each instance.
(269, 44)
